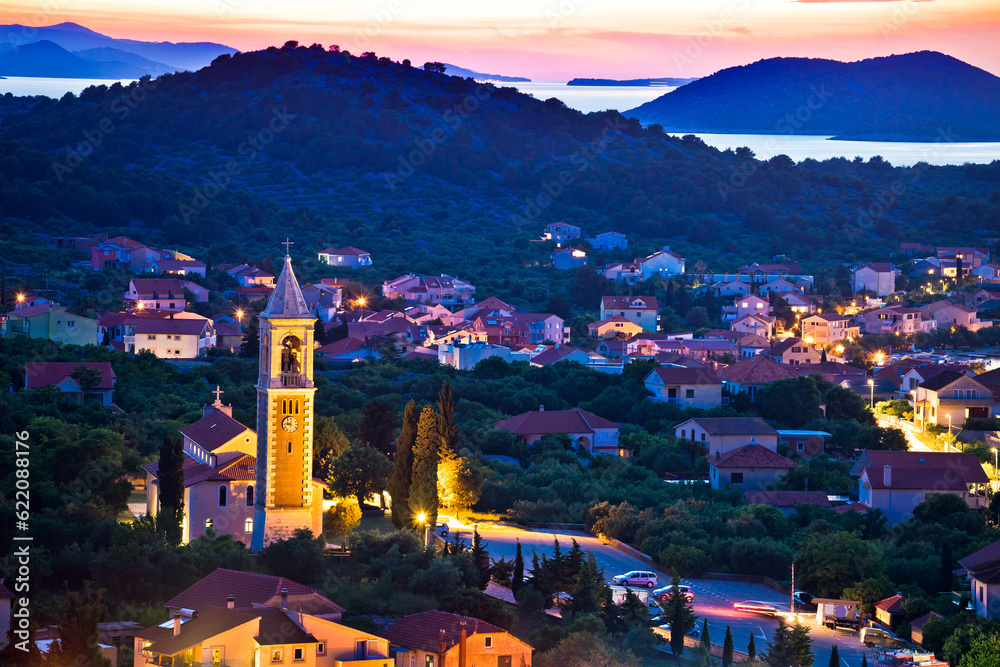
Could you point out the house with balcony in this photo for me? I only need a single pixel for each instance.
(67, 377)
(350, 257)
(170, 338)
(876, 277)
(982, 569)
(969, 258)
(250, 276)
(323, 301)
(618, 326)
(641, 310)
(156, 294)
(588, 432)
(627, 272)
(114, 253)
(442, 289)
(897, 320)
(560, 233)
(685, 387)
(949, 398)
(801, 304)
(439, 639)
(793, 351)
(53, 322)
(755, 324)
(948, 315)
(721, 435)
(829, 328)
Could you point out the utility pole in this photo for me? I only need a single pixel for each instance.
(793, 588)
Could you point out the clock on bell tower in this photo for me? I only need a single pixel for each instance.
(287, 497)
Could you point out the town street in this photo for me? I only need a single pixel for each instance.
(712, 599)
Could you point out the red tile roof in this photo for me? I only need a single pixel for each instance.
(988, 553)
(554, 421)
(249, 588)
(892, 605)
(676, 375)
(752, 456)
(162, 288)
(554, 354)
(735, 426)
(195, 630)
(757, 370)
(878, 267)
(230, 467)
(918, 624)
(43, 373)
(938, 479)
(423, 631)
(829, 317)
(967, 463)
(787, 498)
(785, 345)
(34, 311)
(214, 430)
(629, 303)
(185, 327)
(860, 508)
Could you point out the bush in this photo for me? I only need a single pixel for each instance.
(684, 561)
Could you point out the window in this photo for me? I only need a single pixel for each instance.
(250, 496)
(276, 655)
(683, 434)
(71, 323)
(289, 448)
(504, 661)
(489, 642)
(150, 336)
(248, 525)
(703, 437)
(320, 648)
(429, 661)
(223, 496)
(689, 393)
(209, 523)
(360, 649)
(800, 446)
(298, 654)
(735, 478)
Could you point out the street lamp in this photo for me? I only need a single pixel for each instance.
(239, 315)
(422, 520)
(871, 385)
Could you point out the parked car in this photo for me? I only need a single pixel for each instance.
(443, 528)
(880, 637)
(663, 593)
(756, 607)
(636, 578)
(803, 601)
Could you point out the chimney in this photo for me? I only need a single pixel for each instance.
(441, 645)
(461, 646)
(231, 601)
(284, 598)
(887, 475)
(177, 623)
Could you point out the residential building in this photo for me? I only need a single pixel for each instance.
(970, 258)
(832, 371)
(171, 337)
(609, 241)
(686, 387)
(876, 277)
(749, 375)
(750, 304)
(732, 288)
(464, 357)
(660, 263)
(617, 326)
(787, 501)
(629, 273)
(781, 287)
(560, 232)
(755, 324)
(250, 276)
(801, 304)
(441, 289)
(721, 435)
(828, 328)
(912, 378)
(917, 626)
(323, 301)
(751, 468)
(987, 273)
(589, 432)
(804, 443)
(68, 378)
(793, 351)
(156, 294)
(758, 274)
(438, 639)
(53, 322)
(947, 315)
(228, 335)
(350, 257)
(982, 568)
(889, 611)
(568, 258)
(554, 354)
(178, 267)
(896, 482)
(113, 253)
(949, 398)
(642, 310)
(896, 320)
(751, 345)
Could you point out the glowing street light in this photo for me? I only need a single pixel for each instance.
(361, 302)
(140, 306)
(20, 298)
(839, 349)
(871, 385)
(422, 520)
(239, 315)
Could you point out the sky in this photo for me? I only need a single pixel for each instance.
(555, 40)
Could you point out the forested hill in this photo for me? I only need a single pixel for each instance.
(434, 173)
(923, 95)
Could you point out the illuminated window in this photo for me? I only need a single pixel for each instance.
(248, 525)
(276, 655)
(209, 523)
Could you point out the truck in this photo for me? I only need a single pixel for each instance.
(619, 593)
(838, 614)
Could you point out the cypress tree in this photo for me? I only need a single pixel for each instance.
(681, 617)
(587, 593)
(517, 580)
(946, 568)
(706, 641)
(481, 558)
(727, 648)
(835, 657)
(449, 427)
(402, 468)
(779, 653)
(423, 489)
(864, 661)
(800, 647)
(752, 647)
(170, 478)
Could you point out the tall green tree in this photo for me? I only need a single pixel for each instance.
(170, 480)
(78, 631)
(423, 489)
(779, 652)
(329, 442)
(752, 647)
(361, 471)
(378, 424)
(402, 468)
(835, 657)
(947, 558)
(480, 558)
(728, 648)
(706, 641)
(517, 579)
(800, 647)
(589, 583)
(682, 618)
(448, 425)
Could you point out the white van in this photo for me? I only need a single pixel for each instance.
(636, 578)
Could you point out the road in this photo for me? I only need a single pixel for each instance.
(712, 599)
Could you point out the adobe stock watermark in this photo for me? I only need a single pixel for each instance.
(376, 25)
(248, 150)
(29, 26)
(121, 108)
(427, 145)
(712, 30)
(551, 190)
(563, 11)
(21, 621)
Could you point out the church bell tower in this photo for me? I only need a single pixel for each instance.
(286, 497)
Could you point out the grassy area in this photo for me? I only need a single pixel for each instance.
(382, 523)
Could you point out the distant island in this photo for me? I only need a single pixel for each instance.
(662, 81)
(71, 51)
(455, 70)
(924, 96)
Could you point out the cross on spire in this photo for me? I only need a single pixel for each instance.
(288, 242)
(218, 394)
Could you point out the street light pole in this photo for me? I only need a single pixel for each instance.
(871, 385)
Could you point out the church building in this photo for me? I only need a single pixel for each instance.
(224, 488)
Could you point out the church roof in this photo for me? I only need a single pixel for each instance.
(214, 430)
(287, 299)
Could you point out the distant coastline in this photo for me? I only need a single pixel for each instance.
(663, 81)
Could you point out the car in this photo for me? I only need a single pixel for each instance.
(756, 607)
(803, 601)
(636, 578)
(872, 637)
(663, 593)
(443, 528)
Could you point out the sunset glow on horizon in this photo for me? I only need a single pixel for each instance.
(558, 39)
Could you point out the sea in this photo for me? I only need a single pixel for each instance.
(600, 98)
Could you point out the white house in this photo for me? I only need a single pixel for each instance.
(642, 310)
(568, 258)
(660, 263)
(751, 468)
(983, 571)
(721, 435)
(686, 387)
(350, 256)
(877, 277)
(464, 357)
(609, 241)
(560, 232)
(588, 431)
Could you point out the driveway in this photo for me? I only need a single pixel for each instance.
(712, 599)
